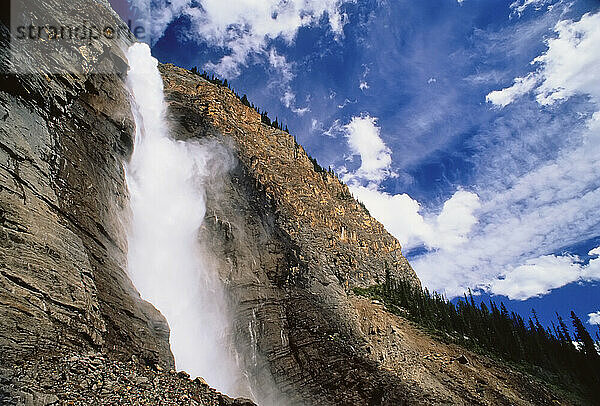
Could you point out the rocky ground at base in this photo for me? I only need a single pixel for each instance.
(92, 379)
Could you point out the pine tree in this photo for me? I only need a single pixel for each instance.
(264, 117)
(582, 335)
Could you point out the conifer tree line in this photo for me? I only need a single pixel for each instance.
(264, 116)
(571, 355)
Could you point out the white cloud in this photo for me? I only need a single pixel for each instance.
(399, 213)
(245, 27)
(571, 63)
(431, 80)
(456, 219)
(594, 317)
(402, 217)
(519, 6)
(364, 139)
(288, 98)
(506, 96)
(331, 131)
(502, 238)
(568, 67)
(363, 84)
(280, 63)
(551, 207)
(346, 102)
(594, 252)
(314, 124)
(285, 70)
(301, 110)
(540, 275)
(527, 216)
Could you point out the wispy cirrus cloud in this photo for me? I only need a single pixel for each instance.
(525, 219)
(285, 69)
(518, 7)
(514, 223)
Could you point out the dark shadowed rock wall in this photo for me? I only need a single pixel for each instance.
(63, 139)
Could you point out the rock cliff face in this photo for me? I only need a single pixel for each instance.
(289, 242)
(63, 284)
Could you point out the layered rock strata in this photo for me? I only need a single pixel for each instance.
(63, 140)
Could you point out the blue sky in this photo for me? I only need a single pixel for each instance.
(470, 129)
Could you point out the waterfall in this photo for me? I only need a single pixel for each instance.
(167, 207)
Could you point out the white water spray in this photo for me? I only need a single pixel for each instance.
(165, 179)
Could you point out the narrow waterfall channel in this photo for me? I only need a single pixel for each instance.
(167, 207)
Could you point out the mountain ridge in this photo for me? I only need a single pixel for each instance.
(337, 322)
(268, 152)
(287, 272)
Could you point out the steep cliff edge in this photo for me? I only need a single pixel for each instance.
(291, 243)
(312, 206)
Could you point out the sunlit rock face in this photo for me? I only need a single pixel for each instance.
(291, 243)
